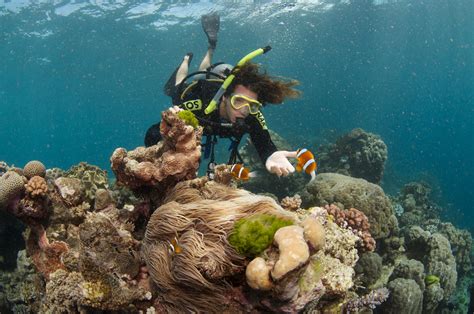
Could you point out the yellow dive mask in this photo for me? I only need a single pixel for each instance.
(239, 101)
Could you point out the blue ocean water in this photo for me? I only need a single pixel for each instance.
(79, 79)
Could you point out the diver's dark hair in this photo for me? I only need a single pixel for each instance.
(273, 90)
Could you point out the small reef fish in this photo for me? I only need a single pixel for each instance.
(306, 162)
(174, 246)
(239, 172)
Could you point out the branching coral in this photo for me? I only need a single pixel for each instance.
(37, 187)
(174, 159)
(370, 300)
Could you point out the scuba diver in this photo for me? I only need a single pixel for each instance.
(227, 102)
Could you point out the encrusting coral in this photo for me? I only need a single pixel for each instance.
(173, 159)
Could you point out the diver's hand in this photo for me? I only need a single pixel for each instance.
(175, 109)
(278, 163)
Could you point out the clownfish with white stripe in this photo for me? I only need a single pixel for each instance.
(239, 172)
(306, 162)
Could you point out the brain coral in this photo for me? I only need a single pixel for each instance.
(11, 186)
(347, 192)
(34, 168)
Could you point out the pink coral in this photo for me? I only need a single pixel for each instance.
(356, 221)
(174, 159)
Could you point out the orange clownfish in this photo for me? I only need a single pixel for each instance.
(174, 246)
(239, 172)
(306, 162)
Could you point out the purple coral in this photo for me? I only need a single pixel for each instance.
(371, 300)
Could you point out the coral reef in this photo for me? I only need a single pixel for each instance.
(358, 154)
(174, 159)
(160, 240)
(347, 192)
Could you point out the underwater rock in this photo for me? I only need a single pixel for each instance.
(174, 159)
(347, 192)
(358, 154)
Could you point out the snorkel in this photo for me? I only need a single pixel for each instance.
(217, 97)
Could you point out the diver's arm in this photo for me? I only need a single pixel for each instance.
(275, 161)
(260, 138)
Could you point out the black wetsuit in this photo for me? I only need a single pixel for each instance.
(197, 100)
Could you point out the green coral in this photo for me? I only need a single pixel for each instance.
(189, 118)
(252, 235)
(431, 279)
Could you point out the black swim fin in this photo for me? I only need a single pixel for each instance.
(210, 24)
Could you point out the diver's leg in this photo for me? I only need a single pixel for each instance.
(183, 68)
(206, 61)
